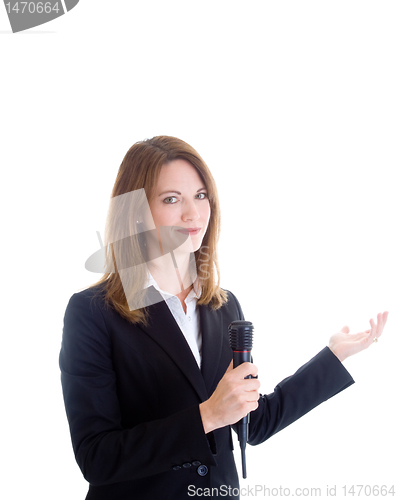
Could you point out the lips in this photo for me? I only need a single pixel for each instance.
(189, 230)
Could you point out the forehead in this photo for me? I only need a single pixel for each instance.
(179, 173)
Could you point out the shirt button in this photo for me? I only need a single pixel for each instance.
(202, 470)
(189, 318)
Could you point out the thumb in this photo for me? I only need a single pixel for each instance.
(345, 329)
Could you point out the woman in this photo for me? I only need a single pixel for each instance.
(149, 388)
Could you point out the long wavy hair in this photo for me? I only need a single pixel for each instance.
(137, 177)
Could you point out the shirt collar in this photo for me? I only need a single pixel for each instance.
(194, 293)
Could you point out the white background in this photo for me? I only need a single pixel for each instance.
(293, 107)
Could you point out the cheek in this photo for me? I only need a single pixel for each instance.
(165, 215)
(157, 214)
(206, 213)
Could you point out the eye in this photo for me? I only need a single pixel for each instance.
(201, 196)
(169, 200)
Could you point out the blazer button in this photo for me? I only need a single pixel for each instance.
(196, 462)
(186, 465)
(202, 470)
(176, 467)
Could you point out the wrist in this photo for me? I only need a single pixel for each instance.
(337, 353)
(206, 417)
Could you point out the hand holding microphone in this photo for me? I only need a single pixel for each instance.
(241, 333)
(235, 396)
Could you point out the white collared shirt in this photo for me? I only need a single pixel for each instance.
(189, 323)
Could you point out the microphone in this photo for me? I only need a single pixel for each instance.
(241, 333)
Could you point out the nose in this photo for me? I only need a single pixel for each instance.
(190, 212)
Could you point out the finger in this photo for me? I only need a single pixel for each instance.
(252, 397)
(251, 385)
(380, 325)
(345, 329)
(373, 329)
(246, 369)
(382, 318)
(251, 389)
(376, 330)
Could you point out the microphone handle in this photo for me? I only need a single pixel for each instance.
(240, 357)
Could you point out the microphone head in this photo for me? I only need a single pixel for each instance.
(241, 333)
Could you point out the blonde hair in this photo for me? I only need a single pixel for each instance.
(140, 170)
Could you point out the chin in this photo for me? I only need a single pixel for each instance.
(196, 244)
(191, 245)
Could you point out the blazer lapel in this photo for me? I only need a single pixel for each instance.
(212, 338)
(164, 330)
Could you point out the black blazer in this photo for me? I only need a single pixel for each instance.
(132, 396)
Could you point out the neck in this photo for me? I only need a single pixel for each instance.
(173, 274)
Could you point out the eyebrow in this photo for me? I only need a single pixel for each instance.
(178, 192)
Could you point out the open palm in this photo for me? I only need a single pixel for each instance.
(344, 344)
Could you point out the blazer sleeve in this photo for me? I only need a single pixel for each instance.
(105, 451)
(316, 381)
(321, 378)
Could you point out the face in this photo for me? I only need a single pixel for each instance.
(180, 199)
